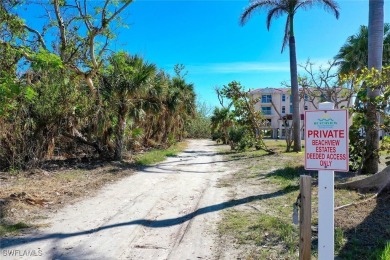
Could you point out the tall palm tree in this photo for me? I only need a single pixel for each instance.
(375, 55)
(277, 8)
(180, 106)
(353, 55)
(127, 82)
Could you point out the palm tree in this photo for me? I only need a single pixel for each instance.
(221, 121)
(180, 106)
(375, 55)
(353, 55)
(277, 8)
(127, 82)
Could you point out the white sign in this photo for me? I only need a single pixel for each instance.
(326, 140)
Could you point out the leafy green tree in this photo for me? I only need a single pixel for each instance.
(241, 127)
(277, 8)
(84, 31)
(41, 116)
(360, 151)
(200, 125)
(246, 114)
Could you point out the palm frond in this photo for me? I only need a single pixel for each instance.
(254, 6)
(330, 6)
(286, 34)
(274, 13)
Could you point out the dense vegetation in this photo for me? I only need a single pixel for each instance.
(240, 127)
(68, 95)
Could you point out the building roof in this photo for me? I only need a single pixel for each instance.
(269, 90)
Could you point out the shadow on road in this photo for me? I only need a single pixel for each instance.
(14, 241)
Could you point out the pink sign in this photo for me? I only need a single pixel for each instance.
(326, 140)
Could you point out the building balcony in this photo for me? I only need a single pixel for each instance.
(267, 113)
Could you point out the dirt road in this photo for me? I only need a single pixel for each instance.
(168, 211)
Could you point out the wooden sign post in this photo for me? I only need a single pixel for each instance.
(326, 150)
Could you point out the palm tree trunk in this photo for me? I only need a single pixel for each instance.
(375, 52)
(295, 94)
(120, 130)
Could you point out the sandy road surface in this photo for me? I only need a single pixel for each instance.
(167, 211)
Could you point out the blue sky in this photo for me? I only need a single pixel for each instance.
(206, 37)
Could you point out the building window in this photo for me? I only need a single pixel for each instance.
(283, 97)
(290, 99)
(306, 97)
(266, 110)
(266, 98)
(306, 107)
(283, 110)
(291, 109)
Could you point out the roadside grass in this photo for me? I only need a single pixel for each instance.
(358, 251)
(385, 254)
(263, 230)
(339, 239)
(267, 232)
(27, 196)
(156, 155)
(13, 229)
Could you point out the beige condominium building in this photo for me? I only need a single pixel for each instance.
(276, 106)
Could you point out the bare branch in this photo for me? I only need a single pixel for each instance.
(219, 96)
(84, 15)
(62, 28)
(40, 38)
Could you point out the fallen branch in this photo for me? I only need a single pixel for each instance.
(377, 181)
(83, 141)
(357, 203)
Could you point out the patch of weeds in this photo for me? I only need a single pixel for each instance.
(12, 229)
(157, 155)
(356, 248)
(286, 176)
(339, 239)
(385, 254)
(249, 154)
(279, 229)
(282, 206)
(351, 253)
(70, 175)
(260, 230)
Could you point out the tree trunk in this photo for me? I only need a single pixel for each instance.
(120, 130)
(375, 52)
(295, 95)
(378, 182)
